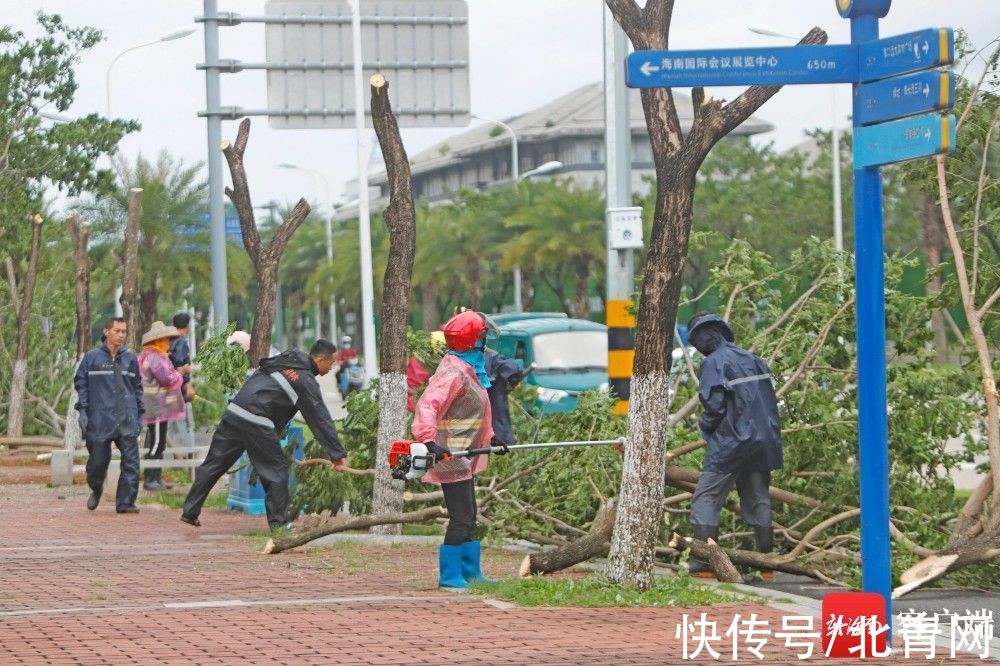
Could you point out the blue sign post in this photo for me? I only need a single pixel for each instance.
(881, 93)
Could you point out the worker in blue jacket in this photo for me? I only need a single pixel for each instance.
(110, 406)
(742, 429)
(505, 374)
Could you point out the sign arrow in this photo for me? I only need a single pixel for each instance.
(905, 96)
(901, 54)
(648, 68)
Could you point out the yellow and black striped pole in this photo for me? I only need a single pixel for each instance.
(621, 351)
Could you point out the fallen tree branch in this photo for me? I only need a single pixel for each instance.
(711, 552)
(282, 543)
(596, 542)
(973, 551)
(816, 531)
(703, 551)
(328, 463)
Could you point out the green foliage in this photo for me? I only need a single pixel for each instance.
(596, 592)
(38, 75)
(319, 488)
(220, 371)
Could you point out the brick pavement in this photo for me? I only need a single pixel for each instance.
(97, 588)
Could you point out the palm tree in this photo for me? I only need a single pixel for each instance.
(174, 235)
(562, 230)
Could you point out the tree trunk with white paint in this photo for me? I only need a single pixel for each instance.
(400, 218)
(22, 309)
(677, 156)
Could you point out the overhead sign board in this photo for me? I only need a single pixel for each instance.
(902, 54)
(900, 140)
(742, 67)
(421, 46)
(905, 96)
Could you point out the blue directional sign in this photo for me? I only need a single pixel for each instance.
(901, 140)
(905, 96)
(911, 52)
(742, 67)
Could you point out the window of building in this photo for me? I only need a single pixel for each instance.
(595, 153)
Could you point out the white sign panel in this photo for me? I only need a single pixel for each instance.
(626, 228)
(420, 46)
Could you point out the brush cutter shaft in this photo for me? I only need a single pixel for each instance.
(542, 445)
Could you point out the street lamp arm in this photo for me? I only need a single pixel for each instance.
(514, 170)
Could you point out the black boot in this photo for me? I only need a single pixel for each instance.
(764, 540)
(149, 480)
(163, 484)
(697, 567)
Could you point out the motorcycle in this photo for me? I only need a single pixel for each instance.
(352, 377)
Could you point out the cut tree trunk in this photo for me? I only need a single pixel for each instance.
(130, 280)
(400, 218)
(581, 304)
(264, 257)
(295, 539)
(979, 549)
(930, 217)
(527, 292)
(429, 317)
(22, 309)
(80, 234)
(596, 542)
(677, 158)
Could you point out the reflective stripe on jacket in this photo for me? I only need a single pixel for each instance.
(110, 393)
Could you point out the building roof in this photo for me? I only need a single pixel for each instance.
(578, 113)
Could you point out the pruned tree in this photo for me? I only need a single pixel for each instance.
(80, 235)
(677, 157)
(130, 279)
(400, 218)
(265, 257)
(22, 307)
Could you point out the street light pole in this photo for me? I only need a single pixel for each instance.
(838, 215)
(328, 218)
(364, 215)
(514, 172)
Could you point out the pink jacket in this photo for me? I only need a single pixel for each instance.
(161, 388)
(454, 411)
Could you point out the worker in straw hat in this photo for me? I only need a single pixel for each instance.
(162, 397)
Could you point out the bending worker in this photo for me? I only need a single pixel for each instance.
(454, 414)
(741, 425)
(256, 417)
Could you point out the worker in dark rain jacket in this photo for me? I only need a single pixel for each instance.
(741, 426)
(504, 375)
(255, 420)
(110, 407)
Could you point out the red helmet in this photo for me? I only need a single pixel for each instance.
(464, 330)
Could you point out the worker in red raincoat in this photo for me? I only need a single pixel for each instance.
(454, 414)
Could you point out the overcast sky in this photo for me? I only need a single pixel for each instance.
(523, 53)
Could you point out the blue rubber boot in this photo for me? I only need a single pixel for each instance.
(470, 564)
(450, 567)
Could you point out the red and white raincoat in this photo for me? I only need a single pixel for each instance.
(454, 412)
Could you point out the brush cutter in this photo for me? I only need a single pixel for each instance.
(411, 460)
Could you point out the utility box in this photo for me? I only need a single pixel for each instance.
(625, 228)
(249, 497)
